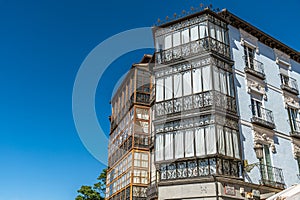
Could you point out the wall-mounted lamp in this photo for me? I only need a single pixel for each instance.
(258, 148)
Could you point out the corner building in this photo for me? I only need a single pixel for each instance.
(224, 112)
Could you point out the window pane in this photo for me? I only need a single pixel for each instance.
(194, 33)
(221, 140)
(200, 142)
(229, 147)
(230, 84)
(159, 43)
(177, 85)
(210, 139)
(168, 146)
(206, 77)
(219, 33)
(189, 143)
(176, 39)
(159, 90)
(142, 113)
(236, 144)
(203, 30)
(168, 87)
(187, 83)
(168, 41)
(197, 84)
(212, 30)
(179, 145)
(185, 37)
(159, 147)
(223, 81)
(216, 79)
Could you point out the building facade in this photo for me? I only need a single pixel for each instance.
(223, 120)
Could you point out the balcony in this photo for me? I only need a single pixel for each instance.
(271, 176)
(289, 84)
(152, 192)
(254, 67)
(295, 128)
(192, 49)
(262, 116)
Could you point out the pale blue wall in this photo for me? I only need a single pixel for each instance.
(283, 158)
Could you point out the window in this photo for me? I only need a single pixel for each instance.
(189, 143)
(207, 79)
(179, 150)
(249, 57)
(203, 30)
(176, 39)
(293, 117)
(194, 33)
(168, 146)
(199, 141)
(142, 113)
(256, 108)
(187, 83)
(197, 81)
(159, 90)
(168, 88)
(159, 147)
(267, 170)
(168, 41)
(177, 85)
(185, 36)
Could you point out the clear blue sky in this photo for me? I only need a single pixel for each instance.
(42, 45)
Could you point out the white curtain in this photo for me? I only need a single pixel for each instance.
(210, 140)
(187, 83)
(176, 39)
(168, 87)
(159, 43)
(207, 79)
(230, 84)
(194, 33)
(159, 90)
(223, 81)
(236, 144)
(203, 30)
(197, 84)
(189, 143)
(212, 30)
(199, 141)
(216, 79)
(168, 146)
(159, 147)
(177, 85)
(185, 36)
(168, 41)
(221, 140)
(179, 149)
(219, 34)
(229, 148)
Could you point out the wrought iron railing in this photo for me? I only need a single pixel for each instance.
(289, 83)
(262, 116)
(271, 176)
(191, 49)
(195, 101)
(254, 66)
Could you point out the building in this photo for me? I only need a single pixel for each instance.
(128, 159)
(224, 113)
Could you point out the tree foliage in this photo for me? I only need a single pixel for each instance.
(95, 192)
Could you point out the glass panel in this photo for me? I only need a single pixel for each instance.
(185, 37)
(203, 30)
(179, 150)
(159, 90)
(230, 84)
(168, 88)
(200, 142)
(197, 83)
(212, 30)
(221, 141)
(176, 39)
(194, 33)
(177, 85)
(207, 79)
(187, 83)
(229, 147)
(236, 144)
(210, 139)
(159, 147)
(168, 41)
(189, 143)
(219, 33)
(223, 85)
(142, 113)
(216, 79)
(168, 146)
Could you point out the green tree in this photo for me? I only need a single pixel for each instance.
(97, 192)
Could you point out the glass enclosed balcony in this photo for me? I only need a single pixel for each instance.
(262, 116)
(289, 84)
(254, 67)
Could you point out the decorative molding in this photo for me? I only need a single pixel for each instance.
(265, 138)
(256, 86)
(249, 40)
(282, 58)
(296, 149)
(291, 100)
